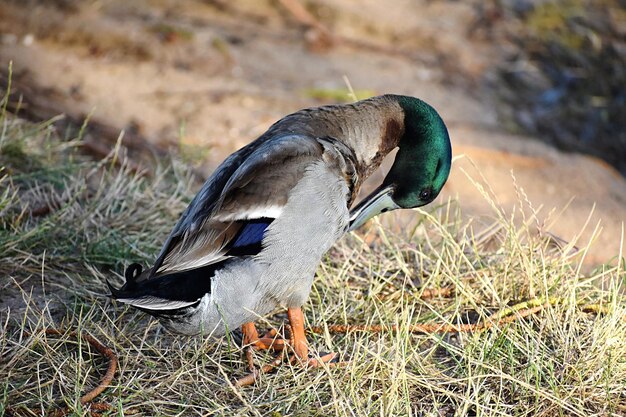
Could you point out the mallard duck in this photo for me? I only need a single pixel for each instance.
(254, 235)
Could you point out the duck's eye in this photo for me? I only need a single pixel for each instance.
(425, 194)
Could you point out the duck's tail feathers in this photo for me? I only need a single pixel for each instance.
(164, 294)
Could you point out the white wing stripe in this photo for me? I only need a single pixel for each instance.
(272, 212)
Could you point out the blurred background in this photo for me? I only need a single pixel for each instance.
(533, 92)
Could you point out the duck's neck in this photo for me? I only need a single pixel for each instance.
(371, 128)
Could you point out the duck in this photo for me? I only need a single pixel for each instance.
(252, 238)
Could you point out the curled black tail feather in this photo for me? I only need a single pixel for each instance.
(131, 274)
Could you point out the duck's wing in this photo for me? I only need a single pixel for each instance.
(230, 214)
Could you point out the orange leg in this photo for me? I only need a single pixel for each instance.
(268, 341)
(252, 340)
(298, 338)
(297, 343)
(250, 335)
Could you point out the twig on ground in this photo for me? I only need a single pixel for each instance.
(87, 398)
(429, 327)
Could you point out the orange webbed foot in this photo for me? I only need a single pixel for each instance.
(297, 345)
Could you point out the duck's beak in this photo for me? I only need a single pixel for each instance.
(377, 202)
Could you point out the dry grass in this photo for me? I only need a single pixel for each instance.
(562, 361)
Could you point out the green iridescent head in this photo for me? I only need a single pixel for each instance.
(424, 157)
(421, 167)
